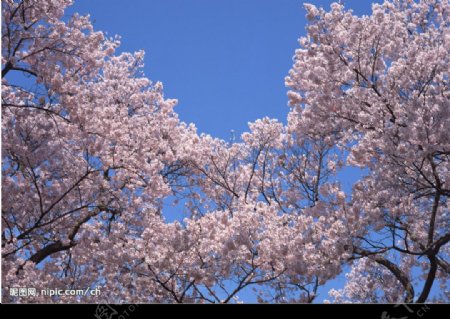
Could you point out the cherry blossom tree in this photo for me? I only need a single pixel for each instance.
(85, 139)
(378, 87)
(92, 151)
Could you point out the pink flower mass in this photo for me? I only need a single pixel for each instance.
(91, 149)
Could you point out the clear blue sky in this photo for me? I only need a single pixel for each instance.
(225, 61)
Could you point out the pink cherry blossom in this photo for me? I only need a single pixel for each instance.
(92, 150)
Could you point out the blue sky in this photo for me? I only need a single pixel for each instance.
(225, 61)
